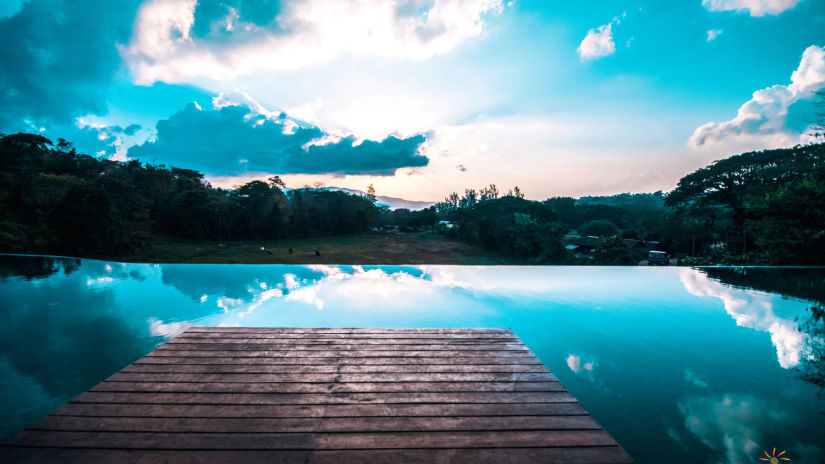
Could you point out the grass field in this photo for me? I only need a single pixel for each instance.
(371, 248)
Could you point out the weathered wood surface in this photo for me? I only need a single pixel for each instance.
(325, 396)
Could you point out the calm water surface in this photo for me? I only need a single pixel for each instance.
(679, 365)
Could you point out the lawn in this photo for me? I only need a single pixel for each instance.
(371, 248)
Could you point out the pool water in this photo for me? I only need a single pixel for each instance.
(708, 365)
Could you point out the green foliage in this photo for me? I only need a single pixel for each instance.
(535, 242)
(600, 228)
(788, 224)
(327, 212)
(727, 183)
(522, 228)
(613, 251)
(634, 201)
(55, 200)
(764, 207)
(768, 206)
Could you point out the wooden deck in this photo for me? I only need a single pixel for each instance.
(325, 396)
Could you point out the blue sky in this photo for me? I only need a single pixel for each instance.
(418, 97)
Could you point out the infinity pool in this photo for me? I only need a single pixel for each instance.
(680, 365)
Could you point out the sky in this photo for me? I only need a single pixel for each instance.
(418, 97)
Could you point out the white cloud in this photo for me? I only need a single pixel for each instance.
(581, 367)
(754, 310)
(308, 295)
(761, 121)
(164, 48)
(598, 43)
(576, 365)
(734, 424)
(228, 304)
(263, 297)
(754, 7)
(158, 328)
(714, 33)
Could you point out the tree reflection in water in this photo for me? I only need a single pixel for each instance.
(803, 283)
(37, 268)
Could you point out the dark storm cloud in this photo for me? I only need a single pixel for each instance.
(58, 58)
(131, 129)
(235, 140)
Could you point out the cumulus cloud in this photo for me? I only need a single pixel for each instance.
(754, 7)
(752, 309)
(96, 139)
(59, 57)
(158, 328)
(597, 43)
(91, 138)
(238, 136)
(714, 33)
(764, 118)
(734, 425)
(576, 365)
(181, 40)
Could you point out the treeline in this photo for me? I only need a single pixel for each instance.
(55, 200)
(765, 207)
(534, 231)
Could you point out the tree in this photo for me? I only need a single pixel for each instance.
(613, 251)
(55, 200)
(600, 228)
(788, 224)
(275, 182)
(489, 193)
(534, 242)
(726, 183)
(469, 199)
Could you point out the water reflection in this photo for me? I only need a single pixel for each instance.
(755, 310)
(806, 284)
(680, 365)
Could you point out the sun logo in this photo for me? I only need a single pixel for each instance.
(773, 458)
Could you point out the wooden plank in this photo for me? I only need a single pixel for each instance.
(325, 395)
(340, 353)
(548, 455)
(358, 330)
(326, 369)
(299, 387)
(330, 398)
(329, 411)
(316, 440)
(349, 347)
(354, 361)
(338, 378)
(348, 337)
(313, 424)
(341, 339)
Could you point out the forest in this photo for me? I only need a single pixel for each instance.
(55, 200)
(764, 207)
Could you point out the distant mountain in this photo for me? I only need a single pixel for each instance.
(389, 202)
